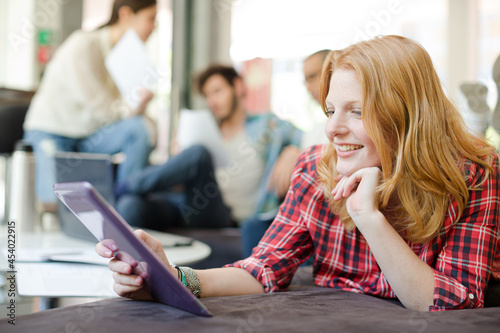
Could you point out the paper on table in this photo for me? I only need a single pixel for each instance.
(58, 280)
(199, 127)
(130, 68)
(88, 256)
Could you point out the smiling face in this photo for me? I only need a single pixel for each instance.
(344, 128)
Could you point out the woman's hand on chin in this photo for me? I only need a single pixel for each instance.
(359, 188)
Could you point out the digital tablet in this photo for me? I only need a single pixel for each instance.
(102, 220)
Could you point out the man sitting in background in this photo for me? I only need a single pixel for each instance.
(254, 229)
(187, 191)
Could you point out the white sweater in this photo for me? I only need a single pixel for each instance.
(77, 96)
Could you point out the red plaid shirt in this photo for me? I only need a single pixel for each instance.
(463, 256)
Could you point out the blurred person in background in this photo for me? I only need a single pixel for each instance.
(187, 191)
(253, 230)
(78, 108)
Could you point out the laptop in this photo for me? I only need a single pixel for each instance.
(97, 169)
(102, 220)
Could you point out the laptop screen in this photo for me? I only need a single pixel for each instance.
(97, 169)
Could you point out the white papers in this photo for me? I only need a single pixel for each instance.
(200, 128)
(59, 280)
(129, 66)
(87, 257)
(69, 254)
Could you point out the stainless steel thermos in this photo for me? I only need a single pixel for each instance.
(21, 204)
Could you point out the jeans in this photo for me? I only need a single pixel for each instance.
(129, 136)
(251, 233)
(182, 192)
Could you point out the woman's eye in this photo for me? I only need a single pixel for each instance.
(329, 113)
(357, 112)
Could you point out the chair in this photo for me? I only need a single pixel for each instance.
(11, 130)
(11, 126)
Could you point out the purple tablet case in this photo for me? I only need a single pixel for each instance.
(102, 220)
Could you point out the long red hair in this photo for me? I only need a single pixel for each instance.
(419, 134)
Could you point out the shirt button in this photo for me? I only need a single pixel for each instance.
(471, 296)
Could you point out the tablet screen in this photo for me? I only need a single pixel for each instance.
(102, 220)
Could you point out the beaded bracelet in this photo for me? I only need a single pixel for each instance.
(189, 278)
(181, 276)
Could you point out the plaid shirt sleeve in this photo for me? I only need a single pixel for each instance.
(287, 242)
(468, 247)
(462, 256)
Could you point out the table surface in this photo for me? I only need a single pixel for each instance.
(300, 309)
(56, 242)
(67, 276)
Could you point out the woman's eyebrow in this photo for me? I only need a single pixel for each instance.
(346, 104)
(353, 103)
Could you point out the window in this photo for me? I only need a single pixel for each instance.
(287, 31)
(488, 50)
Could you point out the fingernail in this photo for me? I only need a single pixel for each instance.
(108, 253)
(114, 247)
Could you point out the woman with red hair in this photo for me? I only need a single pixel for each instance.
(403, 202)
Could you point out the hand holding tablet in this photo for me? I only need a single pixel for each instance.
(130, 274)
(142, 270)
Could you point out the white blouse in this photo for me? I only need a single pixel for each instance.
(77, 96)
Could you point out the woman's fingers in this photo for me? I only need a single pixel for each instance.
(128, 274)
(128, 280)
(103, 251)
(347, 185)
(338, 191)
(351, 184)
(106, 247)
(154, 244)
(120, 267)
(141, 270)
(125, 257)
(124, 290)
(110, 244)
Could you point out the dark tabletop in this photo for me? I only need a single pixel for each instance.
(301, 309)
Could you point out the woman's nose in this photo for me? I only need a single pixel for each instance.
(335, 125)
